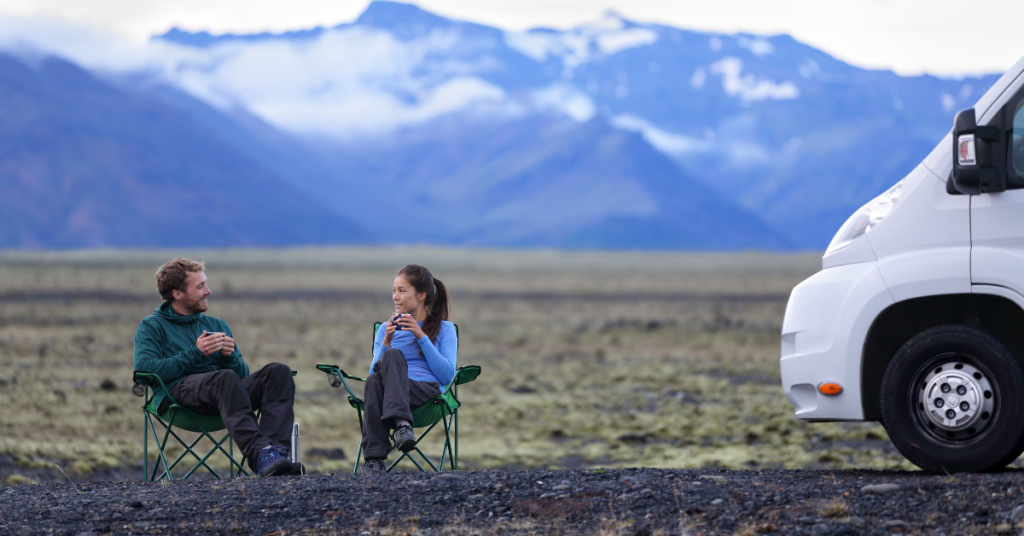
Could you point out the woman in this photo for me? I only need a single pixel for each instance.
(414, 356)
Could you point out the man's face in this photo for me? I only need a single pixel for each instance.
(193, 300)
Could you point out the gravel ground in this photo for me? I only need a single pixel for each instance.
(614, 502)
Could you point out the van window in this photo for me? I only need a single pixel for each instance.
(1017, 140)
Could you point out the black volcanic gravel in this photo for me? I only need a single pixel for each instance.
(614, 502)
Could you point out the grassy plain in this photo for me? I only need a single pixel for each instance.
(589, 359)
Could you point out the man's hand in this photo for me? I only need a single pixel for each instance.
(209, 343)
(229, 346)
(389, 330)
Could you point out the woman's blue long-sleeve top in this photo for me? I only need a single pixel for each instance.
(428, 361)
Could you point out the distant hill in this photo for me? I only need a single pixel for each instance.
(86, 164)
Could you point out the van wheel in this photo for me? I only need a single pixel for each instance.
(952, 400)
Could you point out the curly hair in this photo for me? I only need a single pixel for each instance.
(172, 276)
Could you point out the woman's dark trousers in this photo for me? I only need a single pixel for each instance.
(390, 395)
(222, 392)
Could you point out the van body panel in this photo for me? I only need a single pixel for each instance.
(827, 320)
(924, 245)
(999, 291)
(997, 229)
(940, 160)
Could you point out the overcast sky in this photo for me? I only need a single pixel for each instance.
(943, 37)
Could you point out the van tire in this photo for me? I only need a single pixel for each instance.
(939, 363)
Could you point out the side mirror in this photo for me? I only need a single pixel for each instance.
(978, 156)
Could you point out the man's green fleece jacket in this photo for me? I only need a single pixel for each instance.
(165, 345)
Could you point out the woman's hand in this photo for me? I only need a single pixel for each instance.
(389, 330)
(410, 325)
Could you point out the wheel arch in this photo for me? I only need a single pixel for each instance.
(902, 320)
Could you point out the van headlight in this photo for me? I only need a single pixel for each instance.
(865, 219)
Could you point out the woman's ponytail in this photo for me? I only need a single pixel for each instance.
(437, 301)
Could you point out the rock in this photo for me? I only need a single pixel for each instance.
(717, 502)
(136, 504)
(450, 476)
(330, 454)
(642, 530)
(24, 531)
(108, 385)
(1004, 528)
(87, 533)
(896, 525)
(1017, 514)
(821, 529)
(879, 488)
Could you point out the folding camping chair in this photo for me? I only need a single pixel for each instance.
(179, 417)
(444, 409)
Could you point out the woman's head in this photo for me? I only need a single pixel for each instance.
(416, 287)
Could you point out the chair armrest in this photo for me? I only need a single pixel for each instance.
(465, 374)
(337, 377)
(147, 380)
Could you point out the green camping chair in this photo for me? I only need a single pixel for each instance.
(442, 409)
(179, 417)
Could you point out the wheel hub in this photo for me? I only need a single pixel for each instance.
(956, 397)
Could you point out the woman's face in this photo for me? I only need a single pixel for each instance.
(407, 300)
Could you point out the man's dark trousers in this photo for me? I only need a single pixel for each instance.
(390, 395)
(222, 392)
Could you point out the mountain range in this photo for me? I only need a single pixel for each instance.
(404, 126)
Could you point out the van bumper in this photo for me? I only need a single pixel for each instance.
(827, 321)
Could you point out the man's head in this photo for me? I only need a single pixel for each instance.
(183, 283)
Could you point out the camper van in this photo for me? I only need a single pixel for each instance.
(916, 319)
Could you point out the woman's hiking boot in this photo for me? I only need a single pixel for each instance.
(374, 467)
(405, 438)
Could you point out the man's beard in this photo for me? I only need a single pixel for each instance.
(194, 306)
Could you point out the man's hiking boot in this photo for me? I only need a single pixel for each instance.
(274, 461)
(374, 467)
(405, 438)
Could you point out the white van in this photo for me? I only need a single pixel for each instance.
(917, 317)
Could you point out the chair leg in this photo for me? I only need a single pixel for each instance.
(452, 453)
(455, 430)
(455, 415)
(359, 453)
(160, 450)
(145, 445)
(455, 456)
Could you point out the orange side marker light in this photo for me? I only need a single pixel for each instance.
(830, 389)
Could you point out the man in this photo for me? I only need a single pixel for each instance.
(197, 359)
